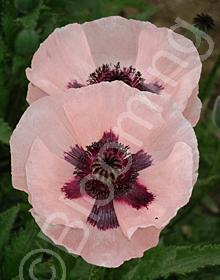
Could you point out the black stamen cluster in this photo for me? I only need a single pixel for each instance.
(129, 75)
(204, 22)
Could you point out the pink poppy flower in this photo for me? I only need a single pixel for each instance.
(105, 168)
(114, 48)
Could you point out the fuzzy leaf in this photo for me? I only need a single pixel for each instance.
(21, 243)
(7, 220)
(162, 261)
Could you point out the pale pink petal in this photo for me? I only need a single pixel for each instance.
(34, 93)
(63, 120)
(111, 248)
(45, 119)
(150, 121)
(63, 57)
(53, 124)
(104, 248)
(71, 238)
(101, 107)
(114, 39)
(96, 109)
(171, 60)
(132, 114)
(171, 183)
(70, 54)
(175, 129)
(193, 108)
(46, 175)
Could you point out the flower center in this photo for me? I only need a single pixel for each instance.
(107, 165)
(107, 171)
(129, 75)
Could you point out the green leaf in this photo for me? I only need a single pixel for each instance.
(162, 261)
(16, 278)
(5, 132)
(96, 273)
(7, 220)
(42, 271)
(207, 85)
(18, 61)
(212, 273)
(4, 93)
(3, 50)
(30, 20)
(216, 112)
(208, 144)
(26, 6)
(21, 243)
(81, 270)
(146, 15)
(10, 28)
(26, 43)
(112, 7)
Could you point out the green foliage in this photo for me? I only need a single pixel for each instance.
(3, 51)
(26, 42)
(144, 10)
(3, 99)
(26, 6)
(22, 242)
(208, 144)
(162, 261)
(30, 21)
(96, 273)
(207, 85)
(216, 112)
(81, 270)
(9, 28)
(5, 132)
(7, 220)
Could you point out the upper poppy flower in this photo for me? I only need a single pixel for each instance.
(106, 168)
(113, 48)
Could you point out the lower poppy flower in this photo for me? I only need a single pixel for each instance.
(105, 169)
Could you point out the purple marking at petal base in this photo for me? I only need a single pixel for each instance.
(154, 87)
(142, 160)
(74, 155)
(75, 84)
(109, 73)
(129, 75)
(72, 189)
(138, 197)
(107, 168)
(110, 136)
(103, 217)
